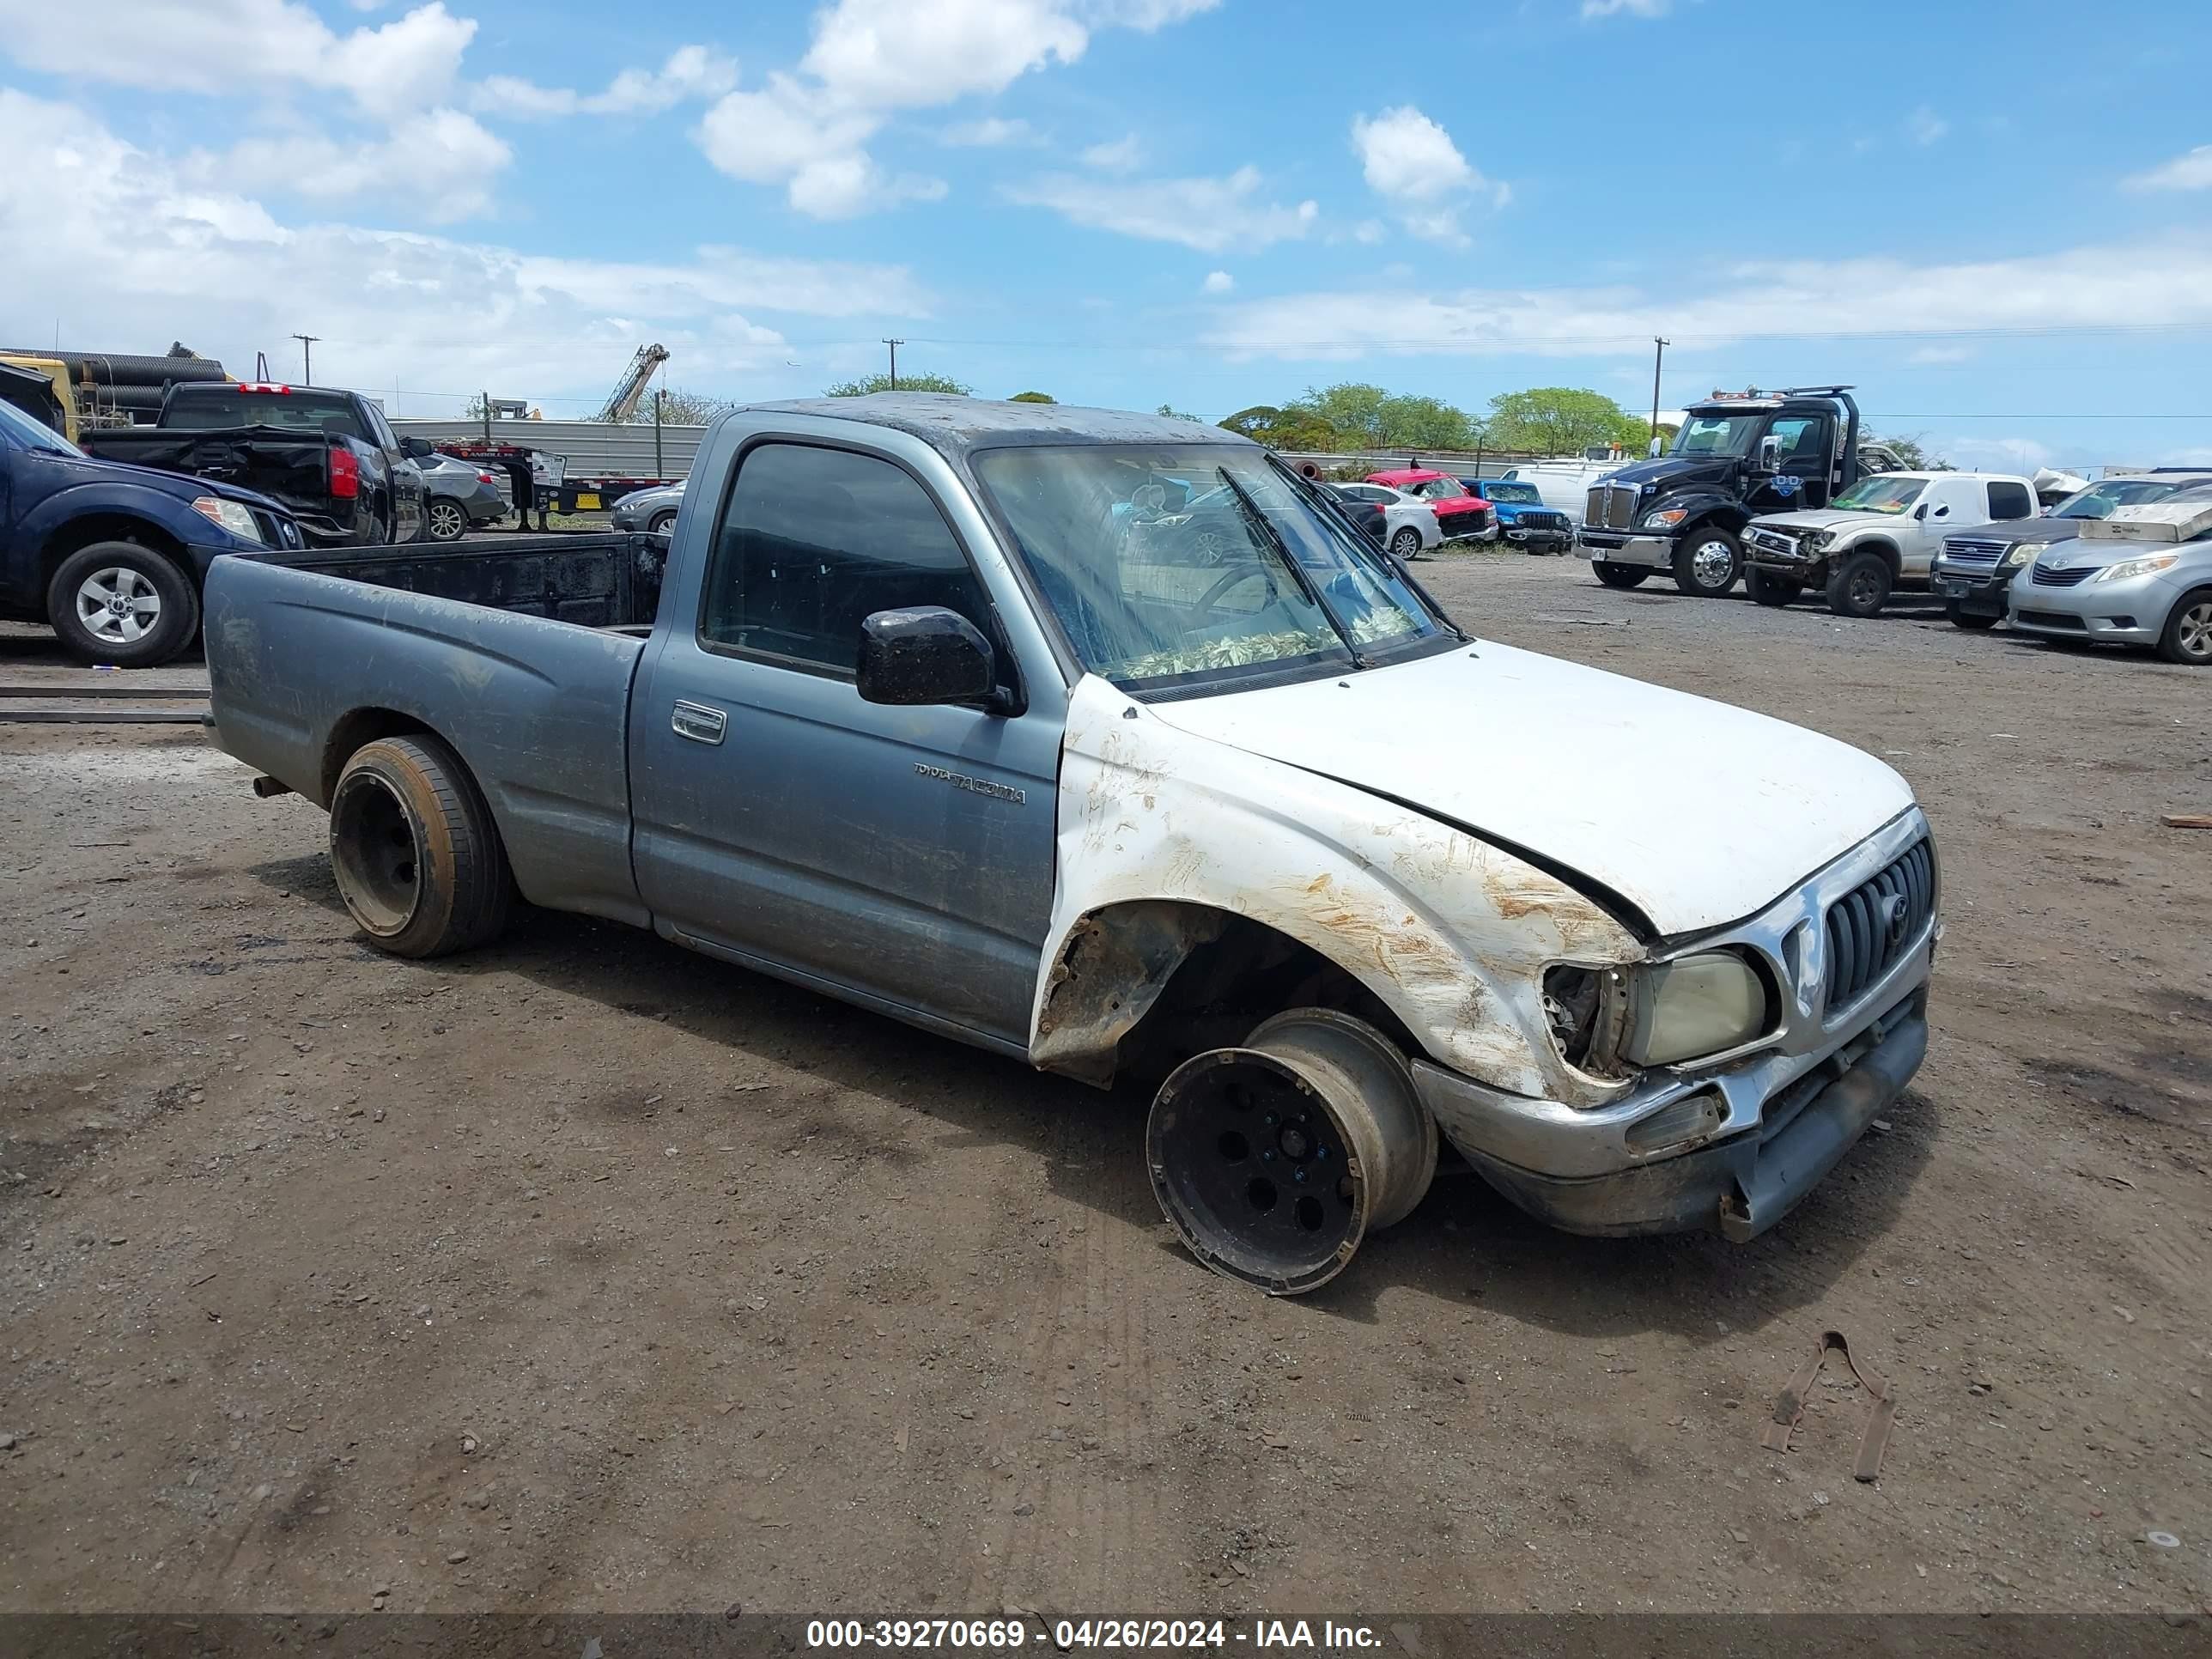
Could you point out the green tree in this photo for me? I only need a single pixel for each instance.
(1032, 397)
(866, 384)
(1373, 417)
(1557, 420)
(1173, 413)
(1910, 450)
(681, 408)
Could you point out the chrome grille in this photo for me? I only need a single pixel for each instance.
(1611, 507)
(1969, 551)
(1871, 928)
(2045, 576)
(1772, 540)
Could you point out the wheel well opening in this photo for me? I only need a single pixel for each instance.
(1141, 987)
(363, 725)
(1887, 551)
(96, 527)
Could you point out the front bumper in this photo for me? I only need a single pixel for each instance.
(1452, 533)
(1537, 539)
(2131, 612)
(1979, 590)
(1778, 1116)
(1618, 547)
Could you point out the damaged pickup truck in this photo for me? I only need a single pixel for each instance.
(905, 721)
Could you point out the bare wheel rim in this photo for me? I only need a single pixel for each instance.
(445, 519)
(374, 855)
(2194, 636)
(118, 606)
(1710, 563)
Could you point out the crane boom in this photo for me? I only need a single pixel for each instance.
(622, 401)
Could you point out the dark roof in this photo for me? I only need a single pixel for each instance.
(954, 425)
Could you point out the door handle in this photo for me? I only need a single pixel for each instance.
(696, 721)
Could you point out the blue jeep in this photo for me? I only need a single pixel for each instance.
(1523, 520)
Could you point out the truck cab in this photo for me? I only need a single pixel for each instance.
(1736, 456)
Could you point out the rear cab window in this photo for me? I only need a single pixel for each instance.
(295, 410)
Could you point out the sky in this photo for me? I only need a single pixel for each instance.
(1994, 219)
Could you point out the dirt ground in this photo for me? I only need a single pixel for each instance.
(585, 1273)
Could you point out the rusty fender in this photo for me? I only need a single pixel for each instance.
(1161, 833)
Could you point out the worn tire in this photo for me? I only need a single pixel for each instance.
(1692, 560)
(1406, 542)
(175, 616)
(1974, 621)
(1859, 586)
(2187, 637)
(418, 860)
(1768, 589)
(1620, 575)
(446, 520)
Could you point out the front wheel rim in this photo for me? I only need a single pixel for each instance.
(1710, 563)
(117, 605)
(1865, 590)
(2194, 636)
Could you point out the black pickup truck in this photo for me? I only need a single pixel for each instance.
(329, 456)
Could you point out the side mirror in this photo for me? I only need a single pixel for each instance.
(1770, 454)
(1921, 511)
(927, 654)
(1657, 442)
(415, 449)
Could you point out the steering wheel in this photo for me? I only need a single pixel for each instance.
(1241, 571)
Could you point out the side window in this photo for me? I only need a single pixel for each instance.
(813, 541)
(2010, 501)
(1804, 443)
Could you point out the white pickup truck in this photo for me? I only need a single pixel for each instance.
(1882, 533)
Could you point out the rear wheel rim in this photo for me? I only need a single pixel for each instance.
(445, 520)
(1405, 543)
(2194, 635)
(375, 854)
(117, 605)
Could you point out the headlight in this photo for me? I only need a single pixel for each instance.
(1666, 518)
(2141, 567)
(1816, 539)
(1692, 1006)
(2024, 553)
(234, 516)
(1608, 1021)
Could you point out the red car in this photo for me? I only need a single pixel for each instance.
(1460, 515)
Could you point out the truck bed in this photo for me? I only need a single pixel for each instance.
(290, 467)
(517, 653)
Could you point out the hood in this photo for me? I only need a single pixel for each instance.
(2095, 552)
(182, 485)
(1697, 812)
(1669, 472)
(1824, 517)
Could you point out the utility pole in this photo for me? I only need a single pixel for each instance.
(894, 345)
(1658, 356)
(307, 357)
(659, 467)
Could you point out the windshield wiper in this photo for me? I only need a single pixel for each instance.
(1362, 549)
(1255, 518)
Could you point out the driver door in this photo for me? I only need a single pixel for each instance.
(902, 852)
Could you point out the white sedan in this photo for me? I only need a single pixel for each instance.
(1409, 523)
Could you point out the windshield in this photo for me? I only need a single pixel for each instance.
(1244, 578)
(1883, 493)
(301, 411)
(1436, 490)
(2099, 500)
(1519, 493)
(1717, 435)
(31, 433)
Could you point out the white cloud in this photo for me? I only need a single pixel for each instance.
(442, 161)
(210, 265)
(1122, 156)
(2190, 171)
(690, 72)
(234, 47)
(808, 129)
(1210, 215)
(1923, 126)
(992, 132)
(1938, 355)
(2166, 282)
(1412, 162)
(1595, 9)
(1216, 282)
